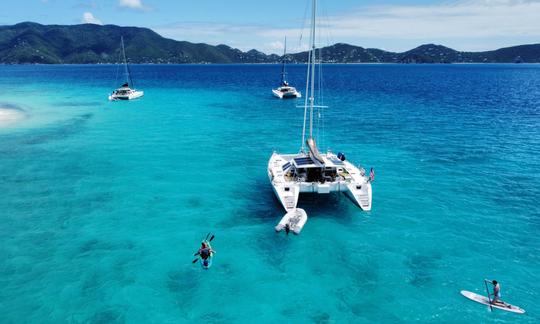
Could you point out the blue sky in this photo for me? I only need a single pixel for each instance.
(245, 24)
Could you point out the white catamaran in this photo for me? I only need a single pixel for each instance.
(125, 92)
(310, 171)
(285, 91)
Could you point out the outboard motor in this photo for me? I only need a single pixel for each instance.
(341, 156)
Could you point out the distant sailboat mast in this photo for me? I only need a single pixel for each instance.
(129, 81)
(283, 73)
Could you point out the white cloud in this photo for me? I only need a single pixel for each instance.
(244, 37)
(132, 4)
(464, 25)
(462, 19)
(277, 45)
(88, 18)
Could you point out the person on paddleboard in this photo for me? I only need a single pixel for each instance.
(496, 292)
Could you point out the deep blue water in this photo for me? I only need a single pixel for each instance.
(103, 204)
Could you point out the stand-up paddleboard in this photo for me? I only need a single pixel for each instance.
(484, 300)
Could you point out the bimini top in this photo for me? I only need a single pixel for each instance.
(309, 162)
(305, 162)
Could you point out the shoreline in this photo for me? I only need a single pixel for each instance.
(276, 63)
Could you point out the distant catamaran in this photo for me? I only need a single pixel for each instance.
(285, 91)
(125, 92)
(309, 170)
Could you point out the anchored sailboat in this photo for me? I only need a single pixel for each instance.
(125, 92)
(312, 171)
(285, 91)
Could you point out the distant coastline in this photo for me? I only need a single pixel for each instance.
(32, 43)
(277, 63)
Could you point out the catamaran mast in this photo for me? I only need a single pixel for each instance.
(310, 79)
(283, 73)
(128, 74)
(311, 94)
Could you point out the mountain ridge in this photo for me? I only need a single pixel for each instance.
(30, 42)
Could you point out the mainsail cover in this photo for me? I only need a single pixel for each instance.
(314, 150)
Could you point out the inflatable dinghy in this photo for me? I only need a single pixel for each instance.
(296, 219)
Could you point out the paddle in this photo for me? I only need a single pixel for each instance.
(489, 298)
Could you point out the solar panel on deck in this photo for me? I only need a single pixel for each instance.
(303, 161)
(286, 166)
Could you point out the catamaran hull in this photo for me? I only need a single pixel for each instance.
(356, 187)
(287, 194)
(362, 198)
(361, 195)
(131, 96)
(286, 95)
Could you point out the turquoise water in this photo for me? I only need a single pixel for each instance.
(104, 203)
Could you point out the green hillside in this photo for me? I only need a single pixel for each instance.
(88, 43)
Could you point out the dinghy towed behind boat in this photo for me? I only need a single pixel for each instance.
(295, 219)
(310, 171)
(125, 92)
(285, 91)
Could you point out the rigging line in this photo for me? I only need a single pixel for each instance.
(118, 64)
(320, 95)
(124, 57)
(117, 73)
(128, 71)
(306, 102)
(324, 32)
(130, 79)
(325, 18)
(322, 103)
(304, 19)
(313, 58)
(308, 76)
(321, 99)
(283, 72)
